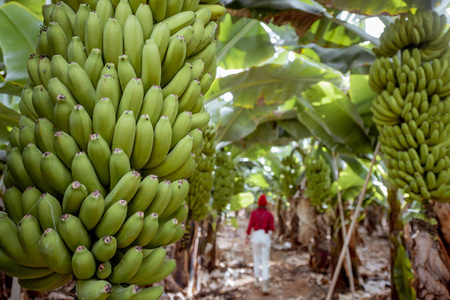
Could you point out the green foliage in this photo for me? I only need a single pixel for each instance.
(403, 276)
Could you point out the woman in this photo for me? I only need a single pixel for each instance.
(261, 221)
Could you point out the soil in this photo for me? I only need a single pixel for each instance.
(291, 276)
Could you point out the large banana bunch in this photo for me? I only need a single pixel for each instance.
(223, 180)
(201, 182)
(109, 130)
(289, 175)
(412, 78)
(318, 181)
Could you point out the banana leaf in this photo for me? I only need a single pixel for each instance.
(242, 43)
(34, 5)
(391, 7)
(18, 36)
(273, 82)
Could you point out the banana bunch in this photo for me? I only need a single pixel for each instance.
(289, 175)
(239, 181)
(110, 126)
(200, 184)
(223, 180)
(411, 110)
(318, 181)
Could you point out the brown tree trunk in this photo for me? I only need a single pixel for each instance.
(429, 257)
(281, 220)
(395, 232)
(320, 254)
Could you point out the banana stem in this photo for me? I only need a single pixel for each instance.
(352, 225)
(344, 231)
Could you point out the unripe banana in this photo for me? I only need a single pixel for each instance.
(29, 199)
(9, 242)
(151, 65)
(132, 98)
(130, 230)
(144, 196)
(42, 103)
(150, 293)
(81, 87)
(203, 14)
(133, 42)
(60, 15)
(105, 11)
(104, 248)
(145, 16)
(125, 132)
(125, 189)
(44, 69)
(59, 69)
(123, 10)
(57, 40)
(119, 292)
(149, 229)
(84, 172)
(46, 283)
(32, 69)
(205, 81)
(83, 263)
(127, 266)
(152, 104)
(91, 210)
(190, 96)
(54, 171)
(104, 270)
(185, 171)
(49, 211)
(17, 170)
(181, 127)
(179, 82)
(76, 52)
(119, 165)
(80, 125)
(125, 71)
(165, 270)
(180, 214)
(26, 98)
(99, 153)
(42, 47)
(143, 142)
(161, 199)
(113, 45)
(200, 120)
(104, 119)
(181, 230)
(80, 20)
(149, 266)
(180, 189)
(93, 289)
(161, 143)
(13, 204)
(93, 33)
(73, 232)
(54, 251)
(161, 36)
(94, 66)
(12, 268)
(73, 197)
(112, 220)
(158, 8)
(65, 147)
(174, 59)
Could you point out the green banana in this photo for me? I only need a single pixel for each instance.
(179, 20)
(94, 66)
(205, 82)
(12, 268)
(59, 69)
(93, 37)
(175, 158)
(180, 189)
(75, 51)
(29, 199)
(200, 120)
(32, 69)
(83, 263)
(148, 188)
(125, 132)
(105, 11)
(91, 210)
(149, 229)
(152, 104)
(42, 103)
(161, 36)
(57, 40)
(127, 266)
(173, 7)
(80, 20)
(42, 47)
(73, 232)
(119, 292)
(161, 199)
(49, 211)
(189, 98)
(130, 230)
(150, 293)
(123, 10)
(180, 214)
(132, 98)
(125, 71)
(54, 171)
(13, 204)
(73, 198)
(179, 82)
(133, 42)
(55, 253)
(80, 126)
(104, 119)
(44, 70)
(108, 87)
(104, 270)
(26, 136)
(145, 16)
(65, 147)
(60, 15)
(63, 109)
(99, 153)
(104, 248)
(17, 170)
(161, 142)
(84, 172)
(143, 142)
(181, 127)
(125, 188)
(93, 289)
(158, 8)
(10, 244)
(165, 270)
(149, 266)
(173, 60)
(119, 165)
(112, 44)
(181, 230)
(112, 220)
(14, 139)
(46, 283)
(151, 65)
(185, 171)
(26, 98)
(81, 87)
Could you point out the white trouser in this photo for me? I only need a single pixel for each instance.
(261, 253)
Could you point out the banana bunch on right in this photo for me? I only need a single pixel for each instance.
(223, 181)
(110, 125)
(318, 181)
(239, 181)
(412, 78)
(201, 182)
(289, 175)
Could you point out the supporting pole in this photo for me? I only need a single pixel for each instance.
(344, 230)
(352, 225)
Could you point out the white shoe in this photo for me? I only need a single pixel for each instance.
(265, 287)
(257, 282)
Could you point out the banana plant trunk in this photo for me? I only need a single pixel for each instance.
(429, 256)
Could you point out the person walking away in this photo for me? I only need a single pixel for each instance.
(262, 223)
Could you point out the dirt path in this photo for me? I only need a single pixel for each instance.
(291, 277)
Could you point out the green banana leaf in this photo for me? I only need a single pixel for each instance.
(362, 97)
(242, 43)
(34, 5)
(364, 7)
(403, 276)
(333, 119)
(273, 82)
(18, 36)
(241, 200)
